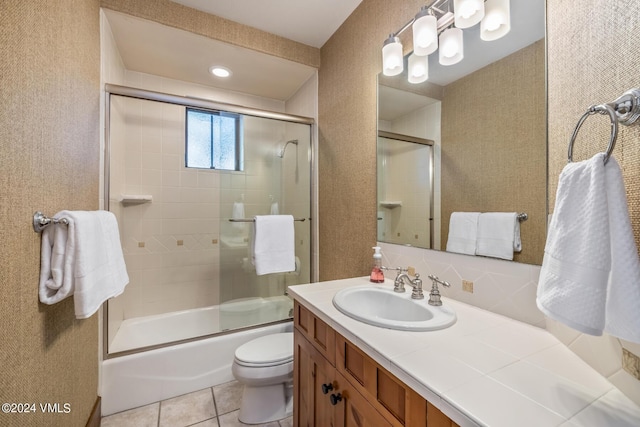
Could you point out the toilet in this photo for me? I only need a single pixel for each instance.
(265, 367)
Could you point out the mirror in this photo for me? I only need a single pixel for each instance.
(486, 119)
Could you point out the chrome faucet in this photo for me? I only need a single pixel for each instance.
(434, 295)
(403, 277)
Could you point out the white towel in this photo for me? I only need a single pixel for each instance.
(238, 213)
(83, 259)
(590, 276)
(273, 244)
(498, 235)
(463, 232)
(274, 209)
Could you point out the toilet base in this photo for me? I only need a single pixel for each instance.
(265, 404)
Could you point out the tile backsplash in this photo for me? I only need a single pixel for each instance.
(503, 287)
(509, 288)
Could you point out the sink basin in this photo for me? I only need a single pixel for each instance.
(381, 306)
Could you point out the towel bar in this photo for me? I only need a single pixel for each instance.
(253, 220)
(41, 221)
(522, 216)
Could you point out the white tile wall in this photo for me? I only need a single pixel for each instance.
(422, 123)
(172, 245)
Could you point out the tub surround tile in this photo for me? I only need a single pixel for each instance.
(187, 409)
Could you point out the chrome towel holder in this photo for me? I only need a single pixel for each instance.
(41, 221)
(625, 110)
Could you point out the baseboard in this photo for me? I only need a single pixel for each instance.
(94, 418)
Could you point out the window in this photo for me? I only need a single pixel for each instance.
(213, 140)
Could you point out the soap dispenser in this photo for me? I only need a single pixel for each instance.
(377, 275)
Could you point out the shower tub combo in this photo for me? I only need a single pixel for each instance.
(193, 297)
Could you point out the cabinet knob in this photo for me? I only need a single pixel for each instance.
(335, 398)
(326, 388)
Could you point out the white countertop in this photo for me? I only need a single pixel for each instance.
(486, 369)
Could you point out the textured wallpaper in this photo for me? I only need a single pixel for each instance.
(49, 124)
(494, 148)
(592, 59)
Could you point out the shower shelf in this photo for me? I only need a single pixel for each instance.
(391, 204)
(135, 199)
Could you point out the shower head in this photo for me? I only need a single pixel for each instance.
(284, 147)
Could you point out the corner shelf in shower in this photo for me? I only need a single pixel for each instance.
(135, 199)
(391, 204)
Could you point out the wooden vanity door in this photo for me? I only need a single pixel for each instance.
(353, 410)
(311, 372)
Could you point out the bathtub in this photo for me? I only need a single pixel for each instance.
(142, 378)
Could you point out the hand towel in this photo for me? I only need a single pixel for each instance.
(273, 247)
(238, 213)
(463, 232)
(274, 209)
(498, 235)
(590, 275)
(90, 267)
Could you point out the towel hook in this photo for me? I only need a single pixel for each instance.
(624, 110)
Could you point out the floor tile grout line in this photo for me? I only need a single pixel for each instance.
(215, 406)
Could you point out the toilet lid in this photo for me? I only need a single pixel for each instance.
(267, 350)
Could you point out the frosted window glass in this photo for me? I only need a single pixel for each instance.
(213, 140)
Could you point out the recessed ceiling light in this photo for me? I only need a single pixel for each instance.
(220, 71)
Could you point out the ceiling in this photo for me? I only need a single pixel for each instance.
(311, 22)
(152, 48)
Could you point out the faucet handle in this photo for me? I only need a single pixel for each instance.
(437, 280)
(416, 293)
(434, 295)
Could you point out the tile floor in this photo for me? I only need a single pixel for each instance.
(212, 407)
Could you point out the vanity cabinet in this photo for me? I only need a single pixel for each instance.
(337, 384)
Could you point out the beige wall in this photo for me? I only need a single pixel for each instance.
(593, 58)
(351, 61)
(49, 151)
(500, 167)
(175, 15)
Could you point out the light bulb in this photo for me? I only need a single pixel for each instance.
(451, 47)
(497, 20)
(425, 33)
(418, 68)
(392, 60)
(468, 12)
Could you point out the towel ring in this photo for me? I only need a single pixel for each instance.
(598, 109)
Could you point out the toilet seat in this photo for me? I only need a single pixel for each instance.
(269, 350)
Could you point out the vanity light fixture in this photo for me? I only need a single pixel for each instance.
(436, 26)
(418, 68)
(219, 71)
(392, 58)
(497, 21)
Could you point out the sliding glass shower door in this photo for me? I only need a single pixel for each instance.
(276, 179)
(185, 182)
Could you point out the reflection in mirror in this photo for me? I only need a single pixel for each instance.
(486, 117)
(405, 189)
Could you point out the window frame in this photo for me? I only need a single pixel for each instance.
(238, 161)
